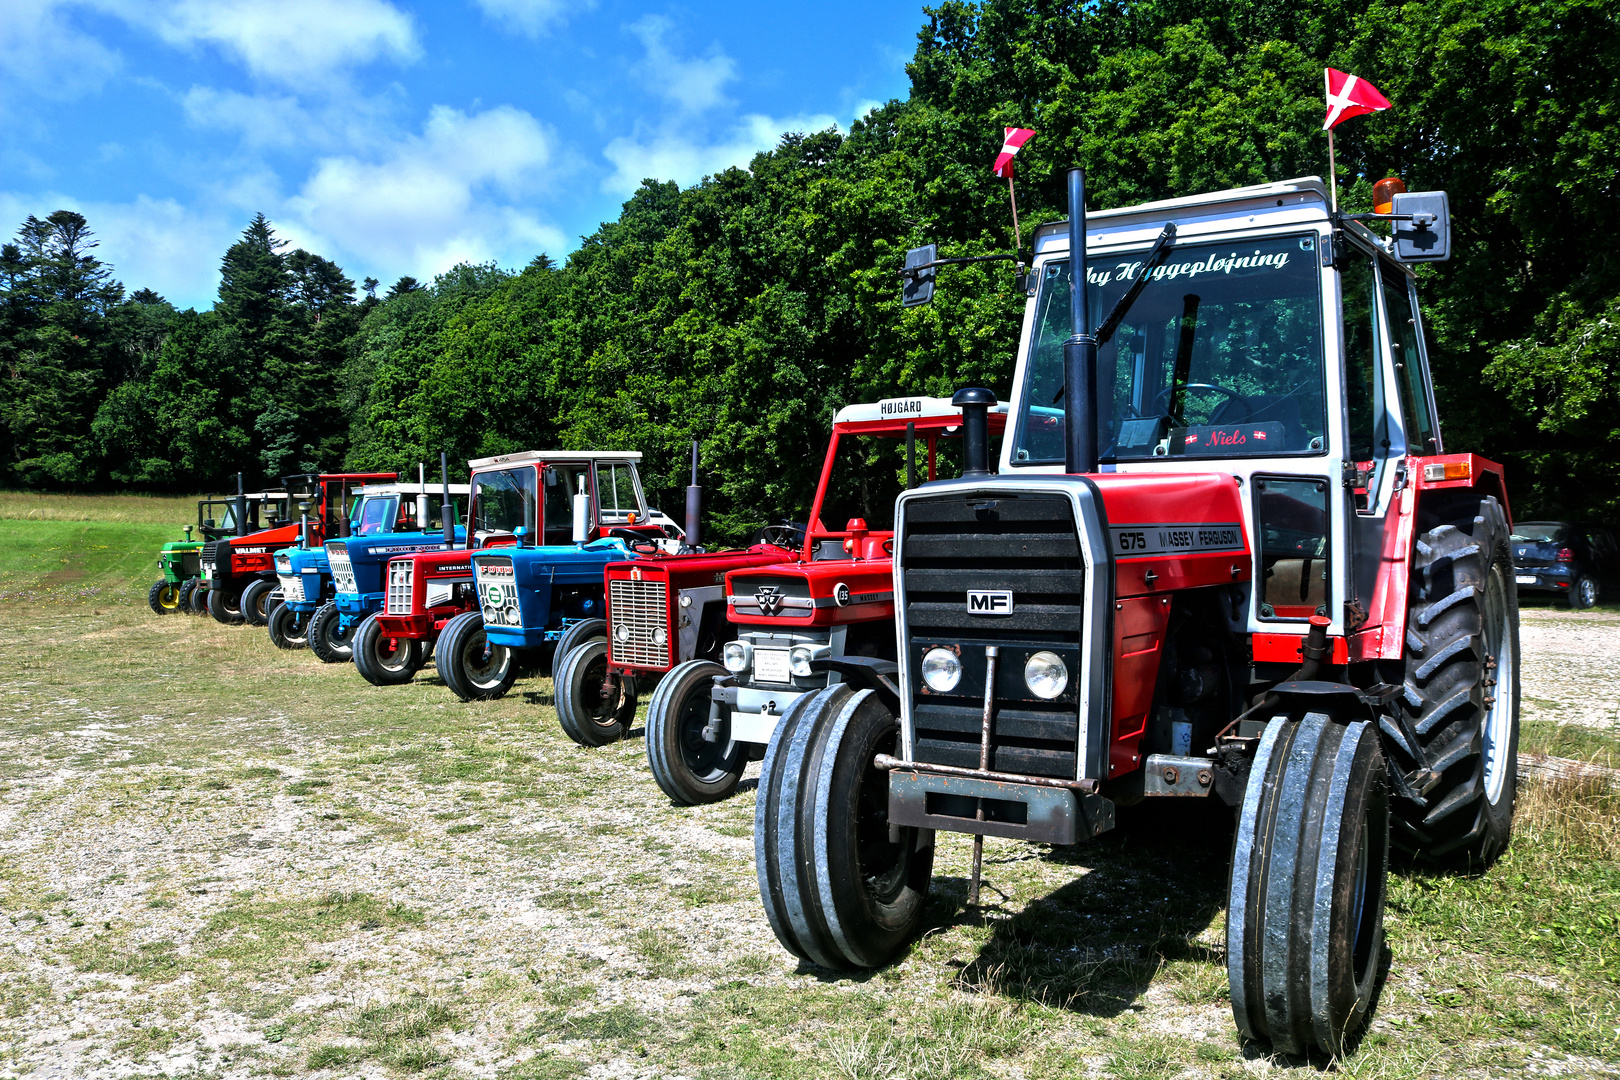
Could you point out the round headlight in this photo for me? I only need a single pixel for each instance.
(941, 670)
(659, 635)
(1046, 675)
(799, 661)
(622, 632)
(734, 656)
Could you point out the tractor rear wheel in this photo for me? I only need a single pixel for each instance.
(329, 639)
(164, 597)
(574, 637)
(1305, 907)
(837, 891)
(288, 628)
(383, 660)
(688, 769)
(472, 667)
(1461, 695)
(594, 707)
(256, 601)
(225, 607)
(197, 599)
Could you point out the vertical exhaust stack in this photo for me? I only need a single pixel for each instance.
(975, 404)
(694, 502)
(447, 505)
(1080, 350)
(241, 507)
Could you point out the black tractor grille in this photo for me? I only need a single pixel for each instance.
(1025, 545)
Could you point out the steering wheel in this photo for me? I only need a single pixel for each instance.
(1162, 399)
(639, 542)
(782, 536)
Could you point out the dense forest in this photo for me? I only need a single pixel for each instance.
(742, 311)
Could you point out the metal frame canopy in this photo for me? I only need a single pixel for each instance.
(412, 489)
(893, 414)
(527, 457)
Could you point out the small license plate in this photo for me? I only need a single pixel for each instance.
(771, 665)
(1525, 579)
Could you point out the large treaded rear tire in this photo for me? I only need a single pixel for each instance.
(225, 608)
(256, 602)
(689, 770)
(588, 716)
(1461, 693)
(1305, 906)
(473, 669)
(383, 660)
(836, 892)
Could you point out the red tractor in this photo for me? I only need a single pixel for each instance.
(1225, 558)
(422, 592)
(793, 623)
(239, 573)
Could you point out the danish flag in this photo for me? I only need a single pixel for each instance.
(1349, 96)
(1015, 138)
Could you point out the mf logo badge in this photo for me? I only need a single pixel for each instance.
(769, 599)
(989, 601)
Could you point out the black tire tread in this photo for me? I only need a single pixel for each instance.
(669, 768)
(569, 694)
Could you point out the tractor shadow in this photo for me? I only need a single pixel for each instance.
(1146, 892)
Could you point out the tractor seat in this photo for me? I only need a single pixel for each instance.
(1263, 409)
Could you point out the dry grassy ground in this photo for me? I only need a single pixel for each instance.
(217, 859)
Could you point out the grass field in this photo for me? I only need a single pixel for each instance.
(218, 859)
(85, 547)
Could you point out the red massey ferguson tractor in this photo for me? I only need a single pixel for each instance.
(789, 623)
(1226, 558)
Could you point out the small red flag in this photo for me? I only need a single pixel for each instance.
(1349, 96)
(1015, 138)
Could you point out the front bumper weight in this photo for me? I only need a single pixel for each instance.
(1044, 815)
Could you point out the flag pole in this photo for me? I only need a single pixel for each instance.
(1333, 174)
(1018, 239)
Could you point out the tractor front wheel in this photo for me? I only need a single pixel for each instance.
(225, 607)
(383, 660)
(594, 707)
(472, 667)
(288, 628)
(839, 888)
(1457, 750)
(574, 637)
(329, 639)
(256, 602)
(1305, 902)
(164, 597)
(688, 768)
(197, 599)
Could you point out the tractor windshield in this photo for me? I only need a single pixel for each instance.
(503, 500)
(1220, 355)
(376, 515)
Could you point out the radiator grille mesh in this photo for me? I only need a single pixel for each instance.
(638, 628)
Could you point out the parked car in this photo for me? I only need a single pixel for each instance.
(1577, 561)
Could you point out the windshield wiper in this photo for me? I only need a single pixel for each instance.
(1161, 248)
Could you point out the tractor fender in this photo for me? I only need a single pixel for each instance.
(866, 673)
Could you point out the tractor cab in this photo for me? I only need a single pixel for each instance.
(217, 517)
(557, 498)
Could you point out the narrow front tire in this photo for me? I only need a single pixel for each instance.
(164, 597)
(594, 706)
(383, 660)
(688, 768)
(256, 602)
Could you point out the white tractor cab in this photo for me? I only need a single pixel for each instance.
(1225, 557)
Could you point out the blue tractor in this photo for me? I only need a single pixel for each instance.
(404, 520)
(378, 513)
(546, 524)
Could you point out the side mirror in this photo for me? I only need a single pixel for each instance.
(551, 476)
(919, 284)
(1427, 236)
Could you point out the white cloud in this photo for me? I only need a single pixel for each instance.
(298, 43)
(694, 85)
(41, 48)
(532, 17)
(432, 200)
(149, 243)
(671, 156)
(259, 120)
(865, 106)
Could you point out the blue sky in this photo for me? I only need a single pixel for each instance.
(401, 138)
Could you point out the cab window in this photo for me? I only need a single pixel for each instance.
(618, 494)
(503, 500)
(376, 515)
(563, 482)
